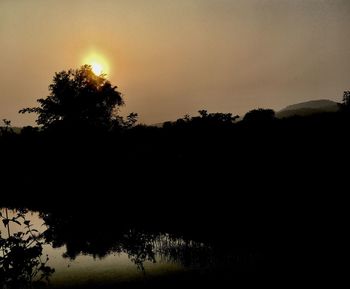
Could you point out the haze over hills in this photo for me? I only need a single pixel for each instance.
(299, 109)
(308, 108)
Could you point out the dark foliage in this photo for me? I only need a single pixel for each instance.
(78, 99)
(6, 130)
(21, 262)
(346, 100)
(259, 115)
(262, 183)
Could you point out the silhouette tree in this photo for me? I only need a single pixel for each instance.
(204, 120)
(346, 98)
(203, 113)
(259, 115)
(127, 123)
(78, 98)
(6, 129)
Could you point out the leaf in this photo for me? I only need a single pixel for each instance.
(5, 221)
(15, 221)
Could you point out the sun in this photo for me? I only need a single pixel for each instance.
(98, 63)
(96, 68)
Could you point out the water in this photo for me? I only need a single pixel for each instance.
(83, 254)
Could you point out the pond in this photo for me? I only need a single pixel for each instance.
(77, 254)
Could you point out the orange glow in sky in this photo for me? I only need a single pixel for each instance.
(98, 63)
(171, 58)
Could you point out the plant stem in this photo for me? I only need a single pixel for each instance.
(8, 224)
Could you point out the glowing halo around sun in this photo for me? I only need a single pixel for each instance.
(96, 68)
(98, 63)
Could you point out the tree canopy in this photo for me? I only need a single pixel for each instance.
(259, 115)
(78, 98)
(346, 98)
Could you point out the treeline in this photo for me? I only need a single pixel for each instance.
(273, 183)
(278, 184)
(210, 150)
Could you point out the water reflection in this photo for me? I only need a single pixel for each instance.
(101, 239)
(81, 249)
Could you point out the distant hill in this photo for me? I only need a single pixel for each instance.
(308, 108)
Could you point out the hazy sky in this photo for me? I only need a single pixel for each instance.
(173, 57)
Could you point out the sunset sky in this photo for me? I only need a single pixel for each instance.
(173, 57)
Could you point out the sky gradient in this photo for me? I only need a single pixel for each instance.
(171, 58)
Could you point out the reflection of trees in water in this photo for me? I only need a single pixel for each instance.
(187, 252)
(100, 238)
(21, 262)
(198, 255)
(139, 246)
(146, 246)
